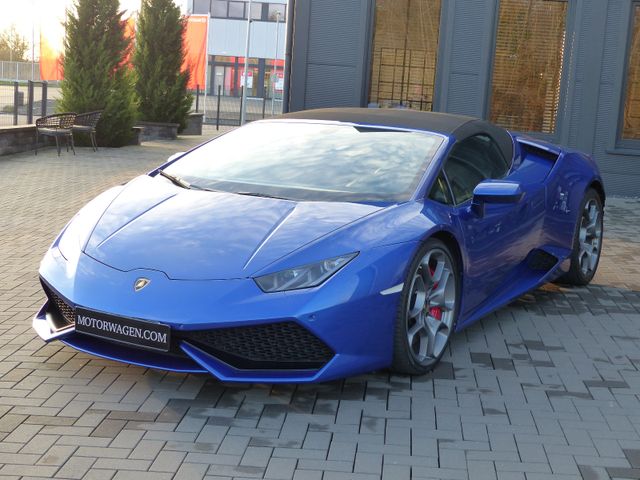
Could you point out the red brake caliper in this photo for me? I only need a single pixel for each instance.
(435, 312)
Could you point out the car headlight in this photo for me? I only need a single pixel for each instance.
(306, 276)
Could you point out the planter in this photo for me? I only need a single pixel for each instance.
(136, 137)
(194, 124)
(158, 131)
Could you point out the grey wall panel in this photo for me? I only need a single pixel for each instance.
(330, 86)
(330, 64)
(611, 79)
(299, 52)
(623, 185)
(576, 115)
(621, 170)
(588, 43)
(465, 56)
(468, 22)
(465, 98)
(335, 33)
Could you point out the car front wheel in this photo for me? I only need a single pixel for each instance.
(428, 309)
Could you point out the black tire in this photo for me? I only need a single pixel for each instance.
(577, 274)
(405, 358)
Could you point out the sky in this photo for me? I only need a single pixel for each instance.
(32, 15)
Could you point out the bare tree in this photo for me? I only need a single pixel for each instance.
(13, 46)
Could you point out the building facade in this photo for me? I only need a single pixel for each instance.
(227, 45)
(567, 71)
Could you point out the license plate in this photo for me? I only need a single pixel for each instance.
(148, 335)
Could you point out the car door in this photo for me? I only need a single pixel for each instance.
(493, 239)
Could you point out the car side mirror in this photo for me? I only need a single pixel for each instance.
(492, 192)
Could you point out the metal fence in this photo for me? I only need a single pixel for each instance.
(225, 110)
(22, 102)
(20, 71)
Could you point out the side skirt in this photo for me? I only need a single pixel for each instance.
(523, 279)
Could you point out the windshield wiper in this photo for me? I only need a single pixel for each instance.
(260, 195)
(175, 180)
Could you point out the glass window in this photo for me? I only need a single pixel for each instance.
(631, 125)
(223, 79)
(274, 9)
(223, 59)
(219, 9)
(527, 68)
(472, 161)
(405, 49)
(236, 9)
(312, 161)
(440, 191)
(201, 6)
(256, 11)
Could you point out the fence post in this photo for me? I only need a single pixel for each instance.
(241, 104)
(264, 101)
(197, 98)
(218, 113)
(30, 104)
(44, 98)
(15, 102)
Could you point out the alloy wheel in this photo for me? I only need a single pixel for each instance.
(430, 309)
(590, 237)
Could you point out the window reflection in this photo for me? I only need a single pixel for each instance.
(238, 9)
(309, 161)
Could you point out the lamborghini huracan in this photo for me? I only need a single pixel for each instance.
(321, 244)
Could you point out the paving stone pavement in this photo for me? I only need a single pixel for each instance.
(548, 387)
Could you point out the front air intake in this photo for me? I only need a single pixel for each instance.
(62, 314)
(274, 346)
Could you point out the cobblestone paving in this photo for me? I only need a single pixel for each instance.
(547, 387)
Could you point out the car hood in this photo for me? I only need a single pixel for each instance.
(198, 235)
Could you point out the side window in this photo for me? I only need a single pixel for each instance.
(440, 191)
(472, 161)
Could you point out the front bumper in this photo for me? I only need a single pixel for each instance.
(348, 322)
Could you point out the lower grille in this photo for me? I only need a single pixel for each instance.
(66, 313)
(275, 346)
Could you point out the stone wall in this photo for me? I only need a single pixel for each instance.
(158, 131)
(20, 138)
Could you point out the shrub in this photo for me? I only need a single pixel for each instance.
(95, 74)
(158, 58)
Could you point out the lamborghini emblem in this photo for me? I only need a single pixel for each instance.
(141, 283)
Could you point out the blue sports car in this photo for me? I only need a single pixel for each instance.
(321, 244)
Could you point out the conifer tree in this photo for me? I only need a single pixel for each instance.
(158, 59)
(95, 74)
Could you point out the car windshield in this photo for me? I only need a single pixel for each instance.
(311, 161)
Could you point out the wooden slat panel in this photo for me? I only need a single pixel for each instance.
(631, 125)
(404, 53)
(527, 70)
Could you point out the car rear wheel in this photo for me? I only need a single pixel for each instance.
(428, 309)
(587, 242)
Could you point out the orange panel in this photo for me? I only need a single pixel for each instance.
(195, 46)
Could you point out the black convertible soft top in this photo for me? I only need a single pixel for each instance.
(457, 126)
